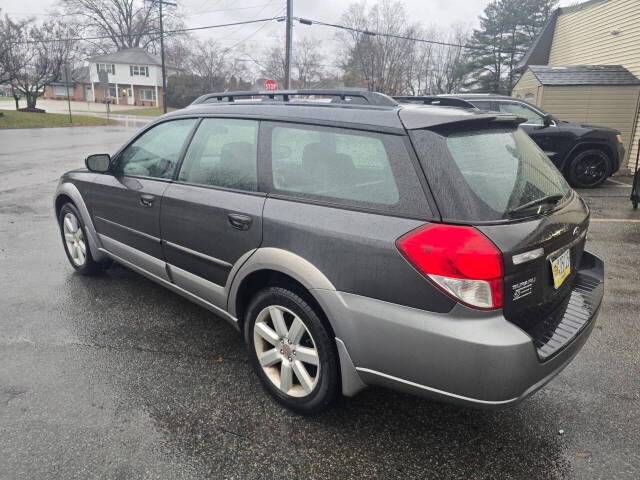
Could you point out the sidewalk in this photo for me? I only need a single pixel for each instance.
(61, 106)
(87, 108)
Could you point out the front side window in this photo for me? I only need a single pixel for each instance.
(157, 151)
(533, 118)
(332, 164)
(111, 92)
(223, 153)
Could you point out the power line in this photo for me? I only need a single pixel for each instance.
(203, 12)
(151, 32)
(306, 21)
(252, 34)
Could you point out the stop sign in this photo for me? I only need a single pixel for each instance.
(270, 84)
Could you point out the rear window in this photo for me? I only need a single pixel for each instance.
(354, 168)
(489, 174)
(331, 164)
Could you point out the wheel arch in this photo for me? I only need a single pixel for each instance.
(588, 145)
(68, 192)
(274, 266)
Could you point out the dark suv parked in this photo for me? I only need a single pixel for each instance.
(586, 154)
(354, 241)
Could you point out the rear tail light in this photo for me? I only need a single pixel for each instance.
(459, 260)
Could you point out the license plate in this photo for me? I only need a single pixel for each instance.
(561, 268)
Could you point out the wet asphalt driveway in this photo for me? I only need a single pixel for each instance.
(114, 377)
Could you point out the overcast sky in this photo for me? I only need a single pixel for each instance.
(442, 13)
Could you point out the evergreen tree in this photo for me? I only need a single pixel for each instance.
(507, 29)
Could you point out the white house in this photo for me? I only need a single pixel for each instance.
(135, 78)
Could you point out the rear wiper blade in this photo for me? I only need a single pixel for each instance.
(538, 201)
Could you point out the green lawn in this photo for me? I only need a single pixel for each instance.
(147, 112)
(13, 119)
(6, 99)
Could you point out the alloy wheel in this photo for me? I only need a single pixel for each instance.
(74, 239)
(286, 351)
(591, 169)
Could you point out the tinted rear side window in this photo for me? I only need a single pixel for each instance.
(487, 174)
(349, 167)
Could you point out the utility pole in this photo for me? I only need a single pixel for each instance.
(164, 72)
(287, 54)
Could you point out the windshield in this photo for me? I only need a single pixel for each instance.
(495, 173)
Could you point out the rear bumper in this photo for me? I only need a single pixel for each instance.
(466, 356)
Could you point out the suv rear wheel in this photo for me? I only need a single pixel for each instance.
(589, 168)
(291, 351)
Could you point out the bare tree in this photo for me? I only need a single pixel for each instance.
(125, 23)
(10, 60)
(44, 49)
(306, 64)
(214, 65)
(438, 68)
(379, 63)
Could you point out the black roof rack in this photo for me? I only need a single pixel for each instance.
(436, 100)
(361, 97)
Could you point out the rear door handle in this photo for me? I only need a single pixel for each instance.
(239, 221)
(147, 200)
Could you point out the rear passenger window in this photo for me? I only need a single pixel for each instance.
(324, 163)
(223, 153)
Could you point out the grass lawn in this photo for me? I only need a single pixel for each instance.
(6, 99)
(147, 112)
(13, 119)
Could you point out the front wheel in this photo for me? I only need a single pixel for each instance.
(74, 239)
(589, 169)
(291, 351)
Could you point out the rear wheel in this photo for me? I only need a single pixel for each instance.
(74, 239)
(291, 351)
(589, 168)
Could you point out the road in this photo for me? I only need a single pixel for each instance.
(114, 377)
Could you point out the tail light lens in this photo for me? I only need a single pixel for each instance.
(459, 260)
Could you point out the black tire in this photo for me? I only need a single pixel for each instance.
(326, 387)
(89, 266)
(589, 168)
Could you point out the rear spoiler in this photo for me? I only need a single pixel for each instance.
(426, 117)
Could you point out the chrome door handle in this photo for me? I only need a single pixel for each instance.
(147, 200)
(239, 221)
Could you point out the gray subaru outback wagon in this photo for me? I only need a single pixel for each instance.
(354, 241)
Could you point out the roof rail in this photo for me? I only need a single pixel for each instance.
(435, 100)
(361, 97)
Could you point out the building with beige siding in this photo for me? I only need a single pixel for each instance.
(602, 33)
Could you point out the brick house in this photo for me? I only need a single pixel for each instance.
(58, 90)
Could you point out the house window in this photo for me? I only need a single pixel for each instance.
(139, 70)
(111, 92)
(147, 94)
(106, 67)
(61, 90)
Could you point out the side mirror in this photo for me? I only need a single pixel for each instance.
(99, 162)
(547, 120)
